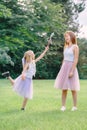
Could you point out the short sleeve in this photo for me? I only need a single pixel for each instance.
(23, 61)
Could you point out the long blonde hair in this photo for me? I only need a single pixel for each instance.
(72, 37)
(29, 55)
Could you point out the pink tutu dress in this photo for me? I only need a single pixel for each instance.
(25, 87)
(62, 80)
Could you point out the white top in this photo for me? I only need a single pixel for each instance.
(30, 72)
(69, 54)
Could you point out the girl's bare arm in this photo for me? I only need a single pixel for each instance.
(76, 55)
(23, 72)
(42, 55)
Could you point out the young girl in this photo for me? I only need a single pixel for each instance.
(23, 84)
(68, 78)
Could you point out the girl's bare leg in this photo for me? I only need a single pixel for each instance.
(74, 95)
(64, 95)
(11, 80)
(24, 102)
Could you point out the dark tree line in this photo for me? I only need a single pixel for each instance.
(27, 25)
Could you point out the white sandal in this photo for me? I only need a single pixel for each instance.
(74, 109)
(63, 108)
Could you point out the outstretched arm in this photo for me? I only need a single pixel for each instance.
(42, 55)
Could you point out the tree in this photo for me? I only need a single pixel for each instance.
(82, 66)
(27, 25)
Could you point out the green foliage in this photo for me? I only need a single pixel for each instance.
(4, 12)
(4, 57)
(83, 58)
(80, 6)
(26, 25)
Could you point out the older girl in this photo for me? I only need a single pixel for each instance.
(67, 78)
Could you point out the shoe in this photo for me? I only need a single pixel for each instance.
(74, 109)
(63, 108)
(22, 109)
(6, 74)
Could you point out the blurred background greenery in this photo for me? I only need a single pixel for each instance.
(27, 24)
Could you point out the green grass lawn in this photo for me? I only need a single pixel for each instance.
(43, 111)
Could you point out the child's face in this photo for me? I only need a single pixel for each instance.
(67, 38)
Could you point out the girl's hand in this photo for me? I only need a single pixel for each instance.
(23, 77)
(46, 48)
(70, 74)
(49, 42)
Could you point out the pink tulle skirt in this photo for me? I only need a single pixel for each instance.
(63, 81)
(23, 88)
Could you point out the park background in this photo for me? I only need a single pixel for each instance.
(27, 24)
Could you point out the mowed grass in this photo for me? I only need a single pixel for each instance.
(43, 111)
